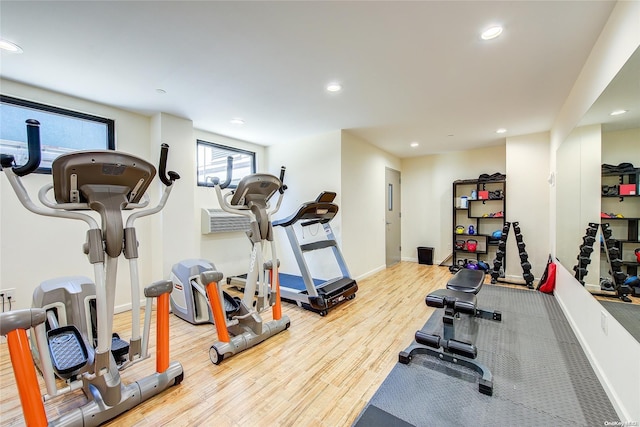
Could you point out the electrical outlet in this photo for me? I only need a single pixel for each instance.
(603, 323)
(6, 294)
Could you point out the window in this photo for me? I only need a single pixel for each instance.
(61, 131)
(212, 163)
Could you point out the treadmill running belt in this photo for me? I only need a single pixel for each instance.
(296, 282)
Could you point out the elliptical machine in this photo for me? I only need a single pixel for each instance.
(238, 322)
(106, 182)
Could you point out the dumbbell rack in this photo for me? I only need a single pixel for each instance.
(497, 274)
(612, 253)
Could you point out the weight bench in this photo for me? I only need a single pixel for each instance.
(458, 297)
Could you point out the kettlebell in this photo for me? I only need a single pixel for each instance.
(637, 254)
(459, 229)
(472, 245)
(472, 230)
(472, 265)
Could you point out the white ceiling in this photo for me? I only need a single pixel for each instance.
(411, 71)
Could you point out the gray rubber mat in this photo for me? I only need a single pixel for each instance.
(541, 376)
(627, 314)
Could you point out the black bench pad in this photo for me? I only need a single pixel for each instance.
(466, 280)
(461, 302)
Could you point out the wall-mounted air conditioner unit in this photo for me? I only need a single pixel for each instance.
(219, 221)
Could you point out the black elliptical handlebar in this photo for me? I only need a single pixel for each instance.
(33, 147)
(166, 178)
(227, 182)
(282, 186)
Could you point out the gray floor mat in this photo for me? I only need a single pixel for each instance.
(541, 375)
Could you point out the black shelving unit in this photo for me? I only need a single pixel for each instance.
(629, 207)
(485, 215)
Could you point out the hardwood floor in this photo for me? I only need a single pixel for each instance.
(320, 372)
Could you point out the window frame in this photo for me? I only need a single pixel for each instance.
(219, 146)
(110, 142)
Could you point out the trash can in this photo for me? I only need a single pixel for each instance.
(425, 255)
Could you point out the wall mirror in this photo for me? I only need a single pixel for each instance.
(602, 138)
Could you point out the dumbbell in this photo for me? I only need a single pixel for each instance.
(611, 243)
(528, 277)
(526, 267)
(619, 277)
(607, 285)
(585, 250)
(588, 240)
(616, 263)
(521, 246)
(580, 271)
(516, 228)
(519, 238)
(583, 260)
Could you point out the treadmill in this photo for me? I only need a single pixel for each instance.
(317, 295)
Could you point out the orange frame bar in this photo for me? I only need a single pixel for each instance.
(218, 311)
(26, 380)
(162, 334)
(275, 283)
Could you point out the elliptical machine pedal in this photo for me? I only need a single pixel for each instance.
(119, 349)
(68, 351)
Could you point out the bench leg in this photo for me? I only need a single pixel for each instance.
(491, 315)
(485, 384)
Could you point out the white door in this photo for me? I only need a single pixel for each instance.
(392, 216)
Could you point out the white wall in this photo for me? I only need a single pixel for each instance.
(313, 166)
(527, 160)
(427, 185)
(614, 356)
(363, 204)
(176, 226)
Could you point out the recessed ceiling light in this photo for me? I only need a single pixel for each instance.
(491, 32)
(618, 112)
(237, 121)
(10, 46)
(414, 144)
(334, 87)
(501, 130)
